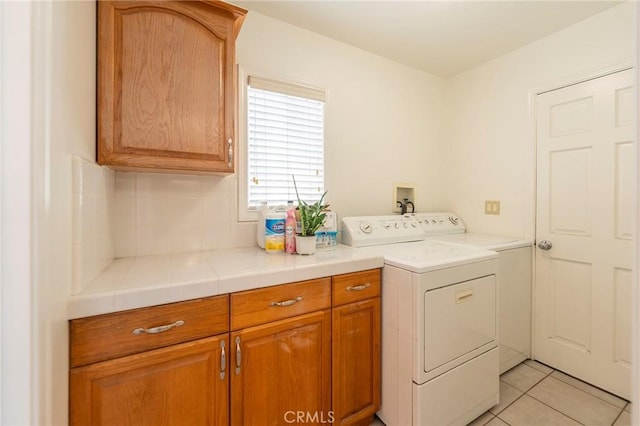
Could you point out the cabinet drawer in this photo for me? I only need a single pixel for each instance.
(110, 336)
(349, 288)
(264, 305)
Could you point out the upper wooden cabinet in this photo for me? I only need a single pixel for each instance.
(166, 85)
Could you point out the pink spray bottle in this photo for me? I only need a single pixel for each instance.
(290, 231)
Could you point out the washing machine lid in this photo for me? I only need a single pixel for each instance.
(425, 256)
(489, 242)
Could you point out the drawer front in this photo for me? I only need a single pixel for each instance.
(114, 335)
(357, 286)
(264, 305)
(458, 319)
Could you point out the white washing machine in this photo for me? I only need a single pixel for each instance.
(514, 287)
(439, 323)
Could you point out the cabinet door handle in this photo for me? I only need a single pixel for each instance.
(159, 329)
(230, 143)
(238, 355)
(358, 287)
(286, 302)
(223, 360)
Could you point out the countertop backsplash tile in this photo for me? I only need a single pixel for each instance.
(160, 214)
(93, 198)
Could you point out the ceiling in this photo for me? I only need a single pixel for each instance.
(441, 37)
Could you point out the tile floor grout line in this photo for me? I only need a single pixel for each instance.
(510, 404)
(537, 369)
(555, 409)
(549, 374)
(523, 393)
(595, 387)
(531, 387)
(502, 420)
(575, 387)
(617, 417)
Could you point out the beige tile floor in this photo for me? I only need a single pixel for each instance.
(532, 394)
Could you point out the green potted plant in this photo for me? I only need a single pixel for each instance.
(312, 217)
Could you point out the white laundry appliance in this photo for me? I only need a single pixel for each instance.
(514, 285)
(439, 323)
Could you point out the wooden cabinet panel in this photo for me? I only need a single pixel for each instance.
(302, 358)
(356, 362)
(166, 84)
(284, 367)
(259, 306)
(109, 336)
(356, 286)
(180, 384)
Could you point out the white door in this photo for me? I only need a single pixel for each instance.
(585, 210)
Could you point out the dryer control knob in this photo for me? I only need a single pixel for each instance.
(366, 228)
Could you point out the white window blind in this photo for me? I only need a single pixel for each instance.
(285, 137)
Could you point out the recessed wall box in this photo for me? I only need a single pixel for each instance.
(400, 192)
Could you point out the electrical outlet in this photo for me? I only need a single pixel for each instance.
(492, 207)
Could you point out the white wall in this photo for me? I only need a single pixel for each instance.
(490, 152)
(383, 120)
(377, 112)
(16, 310)
(380, 114)
(66, 94)
(383, 124)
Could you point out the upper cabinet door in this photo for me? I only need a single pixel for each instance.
(166, 85)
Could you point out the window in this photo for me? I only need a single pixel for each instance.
(284, 138)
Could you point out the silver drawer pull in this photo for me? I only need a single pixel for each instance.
(358, 287)
(286, 302)
(238, 355)
(223, 360)
(159, 329)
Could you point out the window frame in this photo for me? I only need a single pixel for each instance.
(245, 214)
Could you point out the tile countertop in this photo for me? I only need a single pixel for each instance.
(137, 282)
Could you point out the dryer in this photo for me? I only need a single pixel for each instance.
(439, 323)
(514, 287)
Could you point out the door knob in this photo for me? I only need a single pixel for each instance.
(545, 245)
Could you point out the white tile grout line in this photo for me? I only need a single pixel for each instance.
(555, 409)
(558, 411)
(595, 387)
(541, 402)
(532, 386)
(533, 363)
(617, 417)
(575, 378)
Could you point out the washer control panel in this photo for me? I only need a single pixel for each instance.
(440, 223)
(359, 231)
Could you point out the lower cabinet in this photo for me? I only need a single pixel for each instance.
(355, 347)
(356, 362)
(182, 384)
(163, 365)
(281, 371)
(305, 352)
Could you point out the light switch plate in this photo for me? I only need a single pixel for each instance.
(492, 207)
